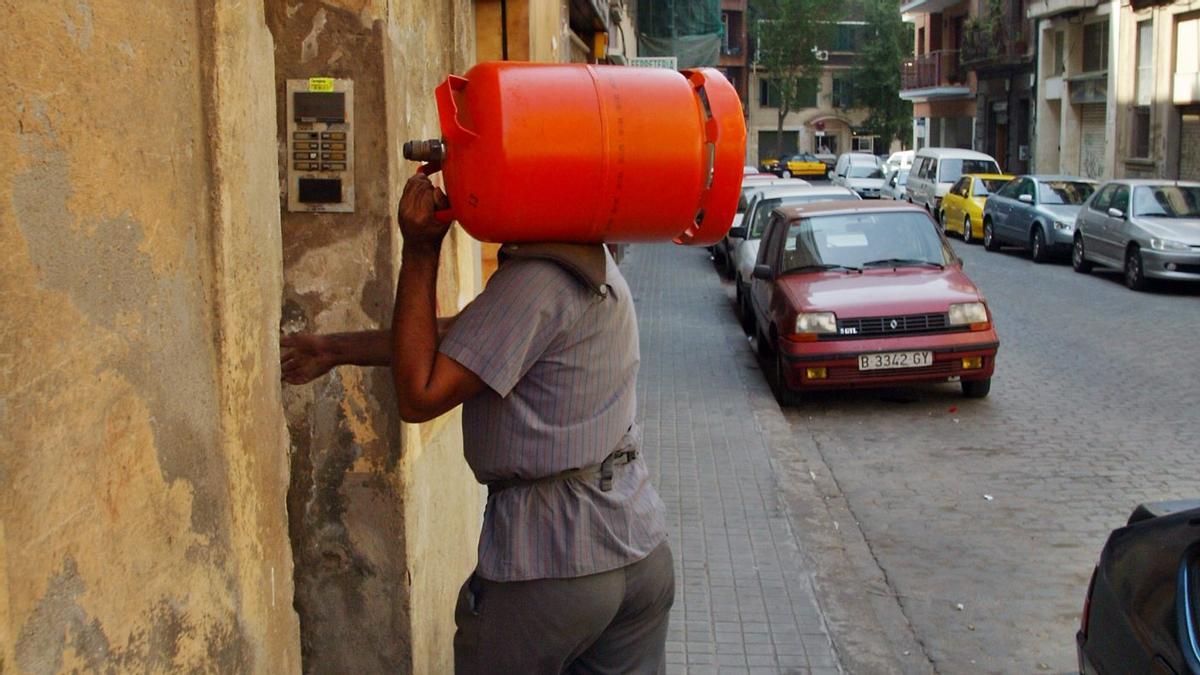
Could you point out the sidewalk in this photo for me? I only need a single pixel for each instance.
(744, 600)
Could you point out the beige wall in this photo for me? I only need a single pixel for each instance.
(837, 121)
(1058, 126)
(142, 451)
(384, 516)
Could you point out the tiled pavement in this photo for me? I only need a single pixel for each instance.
(745, 600)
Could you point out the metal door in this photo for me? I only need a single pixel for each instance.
(1092, 140)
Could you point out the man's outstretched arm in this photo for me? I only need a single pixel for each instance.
(307, 356)
(428, 383)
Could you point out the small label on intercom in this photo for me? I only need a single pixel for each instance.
(320, 84)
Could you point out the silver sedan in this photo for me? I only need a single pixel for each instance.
(1037, 212)
(1150, 229)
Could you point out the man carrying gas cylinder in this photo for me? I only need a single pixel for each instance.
(574, 572)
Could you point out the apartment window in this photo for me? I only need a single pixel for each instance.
(843, 94)
(1095, 46)
(920, 42)
(1144, 90)
(845, 39)
(769, 95)
(863, 144)
(1059, 65)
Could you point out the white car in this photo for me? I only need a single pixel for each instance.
(895, 185)
(865, 179)
(899, 160)
(750, 184)
(848, 159)
(743, 258)
(935, 170)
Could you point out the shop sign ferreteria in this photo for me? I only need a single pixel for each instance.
(669, 62)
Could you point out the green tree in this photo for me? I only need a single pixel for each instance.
(876, 75)
(788, 34)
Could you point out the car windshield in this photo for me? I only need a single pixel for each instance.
(986, 186)
(1167, 201)
(852, 240)
(864, 171)
(903, 180)
(762, 215)
(1064, 192)
(953, 169)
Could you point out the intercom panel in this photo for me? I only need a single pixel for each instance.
(320, 140)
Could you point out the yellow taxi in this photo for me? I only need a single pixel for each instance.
(962, 207)
(803, 164)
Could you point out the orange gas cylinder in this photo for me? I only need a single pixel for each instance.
(583, 153)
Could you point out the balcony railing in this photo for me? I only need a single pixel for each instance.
(938, 68)
(1000, 43)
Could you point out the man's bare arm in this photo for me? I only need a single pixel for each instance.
(307, 356)
(428, 383)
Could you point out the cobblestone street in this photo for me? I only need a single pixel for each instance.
(897, 506)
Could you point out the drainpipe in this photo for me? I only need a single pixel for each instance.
(504, 30)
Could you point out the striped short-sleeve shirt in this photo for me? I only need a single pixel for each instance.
(561, 364)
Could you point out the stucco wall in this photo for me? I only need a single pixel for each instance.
(142, 448)
(384, 516)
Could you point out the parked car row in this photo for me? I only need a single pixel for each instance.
(844, 293)
(1149, 229)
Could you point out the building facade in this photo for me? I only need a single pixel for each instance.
(827, 123)
(1119, 88)
(165, 504)
(971, 78)
(735, 51)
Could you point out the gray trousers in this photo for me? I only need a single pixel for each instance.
(612, 622)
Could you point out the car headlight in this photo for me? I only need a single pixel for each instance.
(816, 323)
(1168, 245)
(1064, 225)
(968, 313)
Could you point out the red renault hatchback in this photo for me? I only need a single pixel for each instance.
(867, 294)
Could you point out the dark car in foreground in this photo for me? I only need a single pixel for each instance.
(867, 294)
(1142, 611)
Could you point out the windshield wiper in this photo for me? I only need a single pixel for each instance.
(902, 262)
(822, 267)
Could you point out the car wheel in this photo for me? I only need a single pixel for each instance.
(976, 388)
(1135, 272)
(729, 271)
(784, 395)
(745, 318)
(1079, 261)
(760, 341)
(968, 236)
(989, 237)
(1037, 245)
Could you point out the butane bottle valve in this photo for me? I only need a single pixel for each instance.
(432, 150)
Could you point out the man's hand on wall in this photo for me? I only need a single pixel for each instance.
(418, 205)
(305, 357)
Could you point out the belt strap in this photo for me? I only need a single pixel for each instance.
(604, 470)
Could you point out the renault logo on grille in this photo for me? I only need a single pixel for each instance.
(893, 324)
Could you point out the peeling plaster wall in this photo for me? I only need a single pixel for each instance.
(142, 466)
(384, 517)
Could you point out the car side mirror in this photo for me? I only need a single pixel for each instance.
(737, 232)
(1116, 213)
(764, 272)
(1028, 199)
